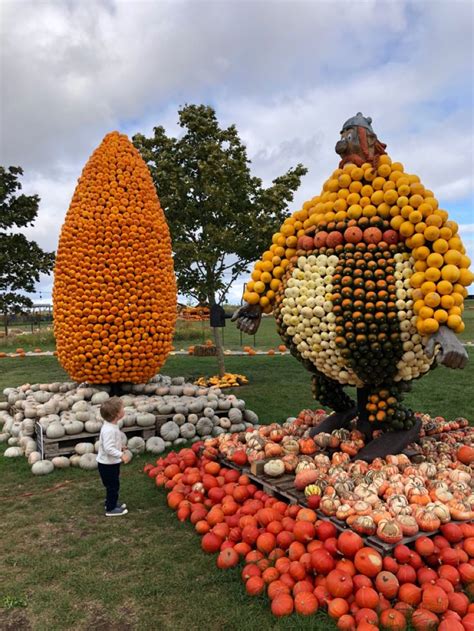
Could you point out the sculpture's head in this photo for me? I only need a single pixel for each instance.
(358, 143)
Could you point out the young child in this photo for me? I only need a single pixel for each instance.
(110, 455)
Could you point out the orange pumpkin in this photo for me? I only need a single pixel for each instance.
(304, 531)
(276, 588)
(435, 599)
(424, 620)
(368, 561)
(211, 542)
(266, 542)
(255, 586)
(227, 558)
(387, 584)
(339, 584)
(306, 603)
(465, 454)
(367, 597)
(307, 446)
(282, 605)
(393, 620)
(338, 607)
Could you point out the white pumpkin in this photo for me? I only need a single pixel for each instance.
(169, 431)
(83, 416)
(80, 406)
(28, 427)
(30, 447)
(84, 448)
(145, 419)
(42, 467)
(99, 397)
(88, 461)
(155, 445)
(136, 445)
(55, 430)
(74, 427)
(34, 456)
(93, 427)
(129, 420)
(61, 462)
(250, 417)
(235, 415)
(74, 460)
(204, 426)
(129, 455)
(187, 430)
(179, 419)
(274, 467)
(13, 452)
(42, 396)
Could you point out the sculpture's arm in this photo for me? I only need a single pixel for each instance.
(451, 352)
(248, 318)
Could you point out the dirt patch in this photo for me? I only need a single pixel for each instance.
(99, 621)
(14, 620)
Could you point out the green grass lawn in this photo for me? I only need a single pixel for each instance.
(64, 566)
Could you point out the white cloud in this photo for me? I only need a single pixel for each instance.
(287, 74)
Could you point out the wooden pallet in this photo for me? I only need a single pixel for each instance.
(51, 447)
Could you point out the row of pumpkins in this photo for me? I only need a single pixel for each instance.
(69, 410)
(390, 498)
(301, 563)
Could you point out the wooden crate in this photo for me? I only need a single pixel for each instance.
(64, 446)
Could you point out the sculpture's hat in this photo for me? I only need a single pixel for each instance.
(358, 121)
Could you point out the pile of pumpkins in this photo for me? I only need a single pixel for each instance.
(228, 380)
(391, 499)
(69, 409)
(301, 563)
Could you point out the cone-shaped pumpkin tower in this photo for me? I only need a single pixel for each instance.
(114, 291)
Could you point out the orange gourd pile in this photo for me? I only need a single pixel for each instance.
(362, 197)
(114, 289)
(304, 566)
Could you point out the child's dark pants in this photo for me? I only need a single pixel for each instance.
(110, 476)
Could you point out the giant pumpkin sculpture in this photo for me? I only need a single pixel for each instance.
(367, 283)
(114, 286)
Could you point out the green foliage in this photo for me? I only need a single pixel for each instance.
(21, 260)
(220, 216)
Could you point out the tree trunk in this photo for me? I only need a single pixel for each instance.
(218, 342)
(220, 351)
(5, 322)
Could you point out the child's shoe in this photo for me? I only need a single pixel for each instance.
(117, 511)
(119, 506)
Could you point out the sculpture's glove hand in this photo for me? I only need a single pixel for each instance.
(247, 318)
(451, 352)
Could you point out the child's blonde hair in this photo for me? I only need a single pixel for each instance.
(110, 409)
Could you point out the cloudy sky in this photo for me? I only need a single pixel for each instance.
(286, 72)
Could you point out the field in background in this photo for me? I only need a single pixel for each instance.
(190, 333)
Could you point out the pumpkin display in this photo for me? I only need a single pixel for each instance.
(114, 299)
(301, 562)
(360, 278)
